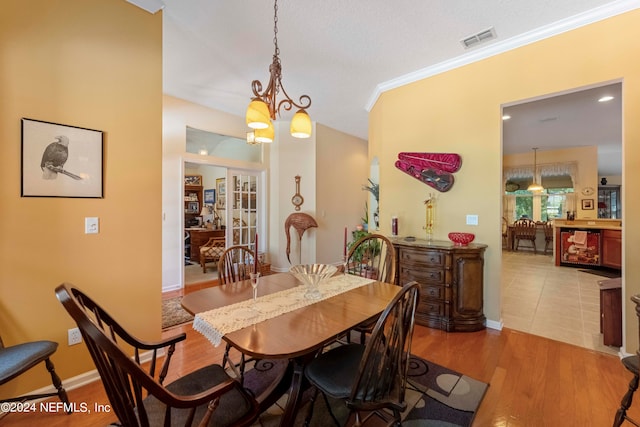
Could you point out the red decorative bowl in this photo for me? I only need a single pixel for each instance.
(461, 239)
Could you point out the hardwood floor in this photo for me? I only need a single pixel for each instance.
(534, 381)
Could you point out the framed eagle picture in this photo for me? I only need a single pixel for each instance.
(61, 160)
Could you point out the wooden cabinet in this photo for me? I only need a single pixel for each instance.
(451, 282)
(612, 248)
(199, 238)
(611, 311)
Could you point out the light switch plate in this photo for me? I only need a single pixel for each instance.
(91, 225)
(472, 219)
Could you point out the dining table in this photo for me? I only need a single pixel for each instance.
(283, 324)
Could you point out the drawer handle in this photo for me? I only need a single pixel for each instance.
(433, 259)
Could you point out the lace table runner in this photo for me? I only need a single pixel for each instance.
(214, 324)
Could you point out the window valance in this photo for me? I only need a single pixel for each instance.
(547, 169)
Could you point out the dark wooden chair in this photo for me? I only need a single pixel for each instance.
(372, 256)
(372, 378)
(524, 230)
(548, 236)
(235, 264)
(211, 251)
(17, 359)
(632, 363)
(136, 392)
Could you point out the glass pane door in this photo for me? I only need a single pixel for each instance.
(242, 208)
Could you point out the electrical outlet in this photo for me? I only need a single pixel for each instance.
(74, 336)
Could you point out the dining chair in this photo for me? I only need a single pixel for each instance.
(17, 359)
(371, 378)
(211, 251)
(235, 265)
(525, 229)
(632, 364)
(548, 236)
(372, 256)
(138, 397)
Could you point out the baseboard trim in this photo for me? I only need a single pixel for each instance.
(493, 324)
(85, 378)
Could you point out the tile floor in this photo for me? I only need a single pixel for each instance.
(560, 303)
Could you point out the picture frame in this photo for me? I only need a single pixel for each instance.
(221, 190)
(59, 160)
(193, 207)
(210, 196)
(587, 204)
(193, 180)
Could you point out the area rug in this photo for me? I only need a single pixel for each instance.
(436, 396)
(173, 314)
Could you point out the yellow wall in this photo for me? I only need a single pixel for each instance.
(340, 199)
(459, 111)
(94, 64)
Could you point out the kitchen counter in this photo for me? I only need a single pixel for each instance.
(600, 224)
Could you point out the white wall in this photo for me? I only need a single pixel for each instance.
(333, 167)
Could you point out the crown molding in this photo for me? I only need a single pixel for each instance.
(558, 27)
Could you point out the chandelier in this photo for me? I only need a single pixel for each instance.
(264, 106)
(535, 187)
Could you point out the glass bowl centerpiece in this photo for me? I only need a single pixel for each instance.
(461, 239)
(311, 275)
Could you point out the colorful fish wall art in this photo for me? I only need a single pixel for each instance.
(434, 169)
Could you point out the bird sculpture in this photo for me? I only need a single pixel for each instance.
(301, 222)
(54, 158)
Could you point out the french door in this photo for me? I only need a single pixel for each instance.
(244, 210)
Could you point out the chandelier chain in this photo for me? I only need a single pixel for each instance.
(274, 87)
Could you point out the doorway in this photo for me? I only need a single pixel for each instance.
(537, 296)
(232, 177)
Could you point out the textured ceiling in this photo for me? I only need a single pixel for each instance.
(343, 54)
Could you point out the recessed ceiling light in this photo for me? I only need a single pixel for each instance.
(605, 98)
(506, 117)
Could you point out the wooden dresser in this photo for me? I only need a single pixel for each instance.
(451, 282)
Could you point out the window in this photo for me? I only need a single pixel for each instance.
(549, 204)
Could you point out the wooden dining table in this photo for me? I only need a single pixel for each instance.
(297, 335)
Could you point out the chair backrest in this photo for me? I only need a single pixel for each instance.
(548, 230)
(235, 264)
(524, 228)
(382, 375)
(373, 256)
(126, 382)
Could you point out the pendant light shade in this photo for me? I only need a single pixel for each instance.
(265, 135)
(301, 125)
(265, 107)
(258, 116)
(535, 187)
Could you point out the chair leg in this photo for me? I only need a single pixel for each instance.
(55, 379)
(621, 414)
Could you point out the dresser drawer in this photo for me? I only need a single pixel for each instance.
(421, 257)
(432, 292)
(424, 275)
(428, 307)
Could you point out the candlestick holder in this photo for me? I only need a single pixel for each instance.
(430, 214)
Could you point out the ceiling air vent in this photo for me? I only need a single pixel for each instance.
(481, 37)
